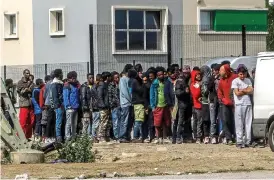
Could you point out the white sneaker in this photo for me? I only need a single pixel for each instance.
(147, 140)
(213, 140)
(156, 141)
(166, 141)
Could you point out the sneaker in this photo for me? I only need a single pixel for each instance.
(161, 141)
(147, 140)
(123, 141)
(240, 146)
(229, 142)
(59, 140)
(136, 141)
(224, 141)
(51, 140)
(206, 140)
(167, 141)
(198, 141)
(156, 141)
(213, 140)
(179, 141)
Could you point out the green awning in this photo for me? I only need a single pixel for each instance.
(232, 20)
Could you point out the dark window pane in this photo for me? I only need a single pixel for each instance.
(120, 19)
(153, 19)
(121, 40)
(136, 40)
(136, 19)
(153, 40)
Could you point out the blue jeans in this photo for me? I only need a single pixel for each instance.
(124, 131)
(93, 131)
(138, 132)
(116, 118)
(71, 123)
(59, 120)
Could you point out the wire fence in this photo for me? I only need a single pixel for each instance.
(41, 70)
(111, 48)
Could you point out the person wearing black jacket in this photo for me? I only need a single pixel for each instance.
(182, 93)
(213, 102)
(138, 105)
(148, 125)
(114, 103)
(85, 98)
(103, 106)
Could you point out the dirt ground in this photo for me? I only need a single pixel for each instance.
(149, 159)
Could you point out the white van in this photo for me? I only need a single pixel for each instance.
(263, 123)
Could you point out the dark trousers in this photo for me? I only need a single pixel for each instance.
(228, 121)
(206, 120)
(197, 123)
(179, 124)
(50, 128)
(148, 126)
(38, 126)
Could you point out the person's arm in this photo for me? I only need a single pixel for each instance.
(105, 90)
(152, 97)
(220, 92)
(124, 90)
(249, 90)
(179, 89)
(235, 88)
(83, 97)
(66, 97)
(36, 96)
(110, 95)
(211, 84)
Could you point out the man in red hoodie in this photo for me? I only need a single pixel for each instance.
(225, 96)
(195, 89)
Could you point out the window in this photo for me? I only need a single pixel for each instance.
(207, 20)
(56, 22)
(231, 20)
(10, 25)
(139, 30)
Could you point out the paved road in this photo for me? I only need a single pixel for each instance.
(242, 175)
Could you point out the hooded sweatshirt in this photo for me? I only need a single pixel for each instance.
(224, 90)
(125, 97)
(184, 98)
(195, 89)
(205, 73)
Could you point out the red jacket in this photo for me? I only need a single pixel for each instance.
(41, 97)
(224, 88)
(195, 89)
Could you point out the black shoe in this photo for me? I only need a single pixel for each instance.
(179, 141)
(240, 146)
(123, 141)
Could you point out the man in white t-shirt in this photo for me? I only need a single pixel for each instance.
(242, 89)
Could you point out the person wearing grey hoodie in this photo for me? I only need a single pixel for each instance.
(126, 106)
(206, 74)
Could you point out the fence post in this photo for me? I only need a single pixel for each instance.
(88, 67)
(181, 61)
(169, 49)
(91, 49)
(133, 62)
(243, 40)
(46, 69)
(5, 72)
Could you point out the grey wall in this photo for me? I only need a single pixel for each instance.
(72, 48)
(105, 60)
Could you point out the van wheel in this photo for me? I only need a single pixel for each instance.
(271, 136)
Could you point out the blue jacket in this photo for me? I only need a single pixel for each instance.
(71, 96)
(168, 93)
(125, 96)
(56, 93)
(47, 93)
(35, 100)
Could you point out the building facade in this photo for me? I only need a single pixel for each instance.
(109, 34)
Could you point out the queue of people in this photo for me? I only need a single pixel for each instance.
(202, 105)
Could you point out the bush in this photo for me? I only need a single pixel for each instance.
(77, 150)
